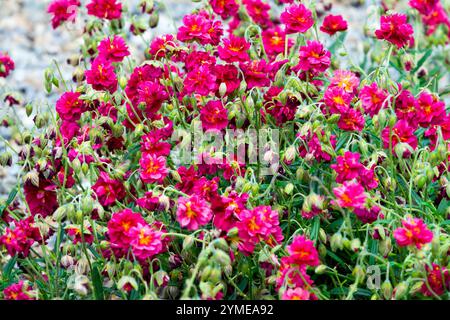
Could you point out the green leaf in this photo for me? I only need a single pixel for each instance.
(11, 197)
(97, 283)
(422, 60)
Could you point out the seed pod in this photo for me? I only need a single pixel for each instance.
(386, 289)
(222, 258)
(320, 269)
(401, 290)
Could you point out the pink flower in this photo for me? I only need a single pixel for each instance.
(153, 168)
(119, 228)
(350, 195)
(337, 100)
(332, 24)
(193, 212)
(105, 9)
(438, 280)
(297, 294)
(297, 18)
(292, 276)
(282, 112)
(430, 109)
(423, 6)
(346, 80)
(257, 225)
(347, 166)
(372, 98)
(198, 27)
(234, 49)
(108, 190)
(227, 74)
(367, 215)
(63, 10)
(41, 199)
(413, 232)
(274, 40)
(255, 73)
(69, 106)
(395, 29)
(101, 75)
(259, 12)
(158, 47)
(151, 143)
(314, 147)
(227, 208)
(400, 133)
(18, 291)
(146, 241)
(6, 65)
(313, 57)
(20, 239)
(406, 108)
(214, 116)
(151, 94)
(224, 8)
(351, 120)
(201, 81)
(302, 252)
(114, 50)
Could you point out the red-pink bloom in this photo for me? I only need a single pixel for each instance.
(148, 201)
(372, 98)
(406, 108)
(20, 239)
(153, 168)
(78, 236)
(313, 57)
(6, 65)
(41, 199)
(347, 166)
(414, 232)
(346, 80)
(193, 212)
(298, 294)
(158, 46)
(201, 81)
(227, 74)
(224, 8)
(234, 49)
(259, 12)
(337, 100)
(437, 281)
(227, 208)
(395, 29)
(302, 252)
(214, 116)
(197, 58)
(332, 24)
(423, 6)
(367, 215)
(255, 73)
(314, 147)
(430, 109)
(292, 276)
(63, 10)
(101, 75)
(146, 241)
(274, 40)
(69, 106)
(119, 228)
(436, 17)
(113, 49)
(151, 94)
(198, 27)
(151, 143)
(105, 9)
(282, 112)
(108, 190)
(400, 133)
(257, 225)
(297, 18)
(350, 195)
(18, 291)
(351, 120)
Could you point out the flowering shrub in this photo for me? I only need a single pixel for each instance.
(246, 156)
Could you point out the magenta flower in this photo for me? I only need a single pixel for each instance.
(332, 24)
(105, 9)
(395, 29)
(350, 195)
(153, 168)
(193, 212)
(297, 18)
(101, 75)
(414, 232)
(234, 49)
(113, 49)
(70, 106)
(214, 116)
(108, 190)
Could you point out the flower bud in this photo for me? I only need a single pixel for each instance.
(401, 290)
(336, 242)
(386, 289)
(320, 269)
